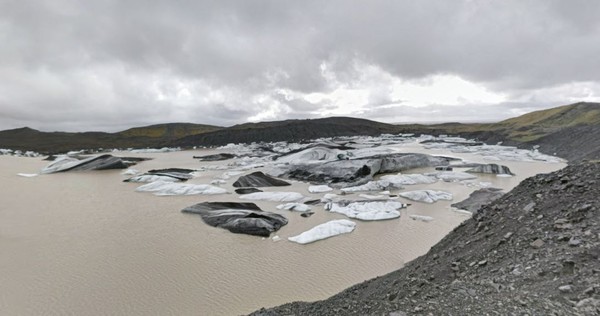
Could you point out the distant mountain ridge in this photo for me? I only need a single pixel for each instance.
(570, 131)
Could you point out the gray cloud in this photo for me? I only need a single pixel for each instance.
(77, 65)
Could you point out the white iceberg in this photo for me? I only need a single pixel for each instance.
(325, 230)
(450, 176)
(170, 188)
(375, 196)
(297, 207)
(154, 150)
(369, 186)
(427, 196)
(367, 210)
(319, 188)
(147, 178)
(28, 175)
(408, 179)
(273, 196)
(61, 163)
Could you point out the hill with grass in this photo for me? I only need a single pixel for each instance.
(569, 131)
(56, 142)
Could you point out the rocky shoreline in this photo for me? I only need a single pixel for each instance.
(533, 251)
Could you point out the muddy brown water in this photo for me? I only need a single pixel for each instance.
(87, 244)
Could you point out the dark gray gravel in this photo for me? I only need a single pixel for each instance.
(534, 251)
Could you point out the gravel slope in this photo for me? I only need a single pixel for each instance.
(534, 251)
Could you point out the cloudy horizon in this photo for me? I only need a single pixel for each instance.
(109, 65)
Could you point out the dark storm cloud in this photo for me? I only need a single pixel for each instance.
(112, 64)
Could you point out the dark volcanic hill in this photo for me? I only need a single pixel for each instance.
(570, 131)
(290, 130)
(534, 251)
(52, 142)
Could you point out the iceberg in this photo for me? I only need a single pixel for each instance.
(323, 231)
(239, 218)
(367, 210)
(451, 176)
(273, 196)
(408, 179)
(170, 188)
(259, 179)
(369, 186)
(319, 188)
(297, 207)
(101, 162)
(427, 196)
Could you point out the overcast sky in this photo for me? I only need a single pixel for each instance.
(109, 65)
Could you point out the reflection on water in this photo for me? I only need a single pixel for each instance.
(86, 243)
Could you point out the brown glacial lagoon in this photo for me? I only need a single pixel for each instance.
(85, 243)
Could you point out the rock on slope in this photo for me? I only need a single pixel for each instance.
(534, 251)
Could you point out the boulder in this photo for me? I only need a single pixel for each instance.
(239, 218)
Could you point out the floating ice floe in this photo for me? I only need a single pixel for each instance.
(296, 207)
(450, 176)
(427, 196)
(463, 212)
(146, 178)
(28, 175)
(154, 150)
(325, 230)
(273, 196)
(171, 188)
(259, 179)
(319, 188)
(130, 172)
(421, 218)
(367, 210)
(369, 186)
(166, 175)
(408, 179)
(375, 196)
(101, 162)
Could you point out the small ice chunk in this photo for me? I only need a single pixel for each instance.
(297, 207)
(129, 172)
(319, 188)
(421, 218)
(325, 230)
(28, 175)
(459, 211)
(170, 188)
